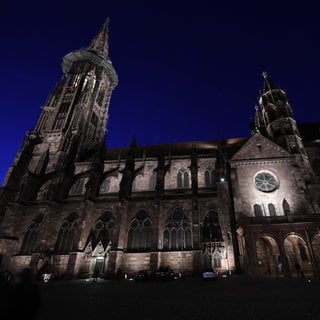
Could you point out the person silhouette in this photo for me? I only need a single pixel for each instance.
(298, 269)
(95, 275)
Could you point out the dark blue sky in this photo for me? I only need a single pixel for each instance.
(187, 71)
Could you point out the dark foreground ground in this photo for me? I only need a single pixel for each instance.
(236, 298)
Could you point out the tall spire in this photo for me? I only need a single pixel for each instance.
(99, 44)
(267, 84)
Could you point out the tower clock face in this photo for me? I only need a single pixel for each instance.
(266, 182)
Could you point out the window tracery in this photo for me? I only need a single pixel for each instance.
(140, 232)
(177, 232)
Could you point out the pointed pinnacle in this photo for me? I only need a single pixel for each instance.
(99, 43)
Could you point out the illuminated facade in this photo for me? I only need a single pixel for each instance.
(70, 206)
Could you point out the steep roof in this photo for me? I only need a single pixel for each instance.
(177, 149)
(309, 132)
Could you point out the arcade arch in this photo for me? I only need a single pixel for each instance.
(267, 255)
(296, 250)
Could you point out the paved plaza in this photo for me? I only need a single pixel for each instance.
(239, 297)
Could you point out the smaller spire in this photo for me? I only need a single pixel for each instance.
(267, 84)
(256, 124)
(99, 43)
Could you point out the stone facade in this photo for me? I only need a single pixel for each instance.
(69, 205)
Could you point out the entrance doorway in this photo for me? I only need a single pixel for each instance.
(99, 265)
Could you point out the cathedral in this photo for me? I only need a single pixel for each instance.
(69, 205)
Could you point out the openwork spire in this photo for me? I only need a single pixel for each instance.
(99, 44)
(267, 84)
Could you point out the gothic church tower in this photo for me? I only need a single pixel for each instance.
(71, 127)
(275, 119)
(273, 185)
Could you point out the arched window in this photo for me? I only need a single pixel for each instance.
(257, 210)
(211, 230)
(177, 232)
(140, 232)
(183, 179)
(78, 187)
(286, 207)
(102, 229)
(101, 94)
(217, 261)
(272, 209)
(65, 240)
(209, 177)
(30, 238)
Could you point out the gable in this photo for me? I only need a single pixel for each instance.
(260, 147)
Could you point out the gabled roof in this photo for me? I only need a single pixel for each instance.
(260, 147)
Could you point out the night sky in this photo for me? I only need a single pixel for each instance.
(188, 71)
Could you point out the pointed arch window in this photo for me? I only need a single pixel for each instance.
(177, 232)
(257, 210)
(183, 179)
(272, 210)
(66, 234)
(43, 120)
(140, 232)
(217, 261)
(101, 95)
(78, 187)
(61, 115)
(102, 229)
(286, 207)
(29, 241)
(211, 230)
(209, 177)
(93, 125)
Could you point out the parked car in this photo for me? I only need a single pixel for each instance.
(209, 274)
(143, 276)
(165, 273)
